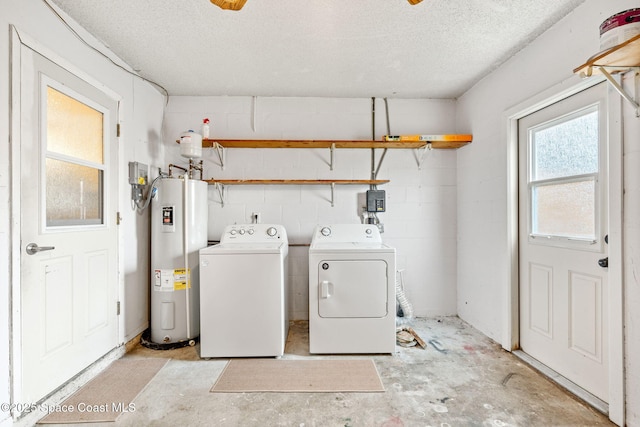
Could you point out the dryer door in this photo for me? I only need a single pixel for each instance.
(352, 288)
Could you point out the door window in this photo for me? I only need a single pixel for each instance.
(75, 160)
(563, 178)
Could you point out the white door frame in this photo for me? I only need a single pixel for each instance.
(511, 319)
(19, 38)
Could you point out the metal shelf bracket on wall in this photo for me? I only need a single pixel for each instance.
(333, 187)
(422, 152)
(332, 148)
(618, 59)
(220, 188)
(221, 153)
(618, 87)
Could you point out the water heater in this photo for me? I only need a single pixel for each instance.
(178, 231)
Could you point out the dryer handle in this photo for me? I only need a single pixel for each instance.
(325, 289)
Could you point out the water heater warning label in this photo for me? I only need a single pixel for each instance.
(171, 280)
(168, 224)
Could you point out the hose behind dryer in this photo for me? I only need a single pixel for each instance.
(405, 310)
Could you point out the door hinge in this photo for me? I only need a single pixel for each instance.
(118, 130)
(118, 218)
(118, 308)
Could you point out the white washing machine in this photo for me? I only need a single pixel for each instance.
(352, 296)
(243, 293)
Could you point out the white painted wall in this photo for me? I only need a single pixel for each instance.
(483, 246)
(141, 116)
(631, 213)
(421, 204)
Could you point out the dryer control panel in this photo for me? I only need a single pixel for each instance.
(347, 233)
(253, 233)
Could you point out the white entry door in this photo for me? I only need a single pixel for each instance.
(68, 258)
(563, 219)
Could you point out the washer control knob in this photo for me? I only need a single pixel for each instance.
(241, 231)
(250, 231)
(325, 231)
(232, 232)
(368, 231)
(271, 231)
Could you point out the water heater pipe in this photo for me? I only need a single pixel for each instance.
(185, 250)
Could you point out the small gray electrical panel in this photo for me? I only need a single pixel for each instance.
(138, 178)
(138, 173)
(375, 201)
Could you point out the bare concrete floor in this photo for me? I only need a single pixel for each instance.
(461, 379)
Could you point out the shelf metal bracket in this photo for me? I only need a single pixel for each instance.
(222, 153)
(422, 151)
(221, 192)
(333, 149)
(333, 187)
(620, 89)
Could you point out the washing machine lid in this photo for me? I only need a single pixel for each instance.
(245, 248)
(343, 247)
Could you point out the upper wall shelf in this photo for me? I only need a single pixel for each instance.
(618, 59)
(398, 142)
(622, 57)
(312, 143)
(296, 181)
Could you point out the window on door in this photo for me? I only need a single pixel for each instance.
(75, 161)
(563, 179)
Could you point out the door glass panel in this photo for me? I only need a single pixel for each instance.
(74, 194)
(566, 147)
(74, 161)
(563, 168)
(565, 209)
(73, 128)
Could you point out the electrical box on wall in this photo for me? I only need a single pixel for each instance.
(138, 178)
(138, 173)
(375, 201)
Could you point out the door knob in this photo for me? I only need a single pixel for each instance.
(33, 248)
(604, 262)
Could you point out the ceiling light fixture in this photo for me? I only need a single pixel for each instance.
(237, 4)
(229, 4)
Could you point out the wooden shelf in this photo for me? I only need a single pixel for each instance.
(451, 141)
(297, 181)
(312, 143)
(619, 58)
(221, 183)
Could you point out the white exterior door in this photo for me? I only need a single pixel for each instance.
(68, 235)
(563, 218)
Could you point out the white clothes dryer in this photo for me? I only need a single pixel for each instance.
(351, 290)
(243, 293)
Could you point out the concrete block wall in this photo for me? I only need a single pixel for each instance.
(421, 203)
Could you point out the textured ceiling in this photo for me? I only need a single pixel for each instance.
(333, 48)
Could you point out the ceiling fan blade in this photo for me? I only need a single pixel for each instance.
(229, 4)
(413, 2)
